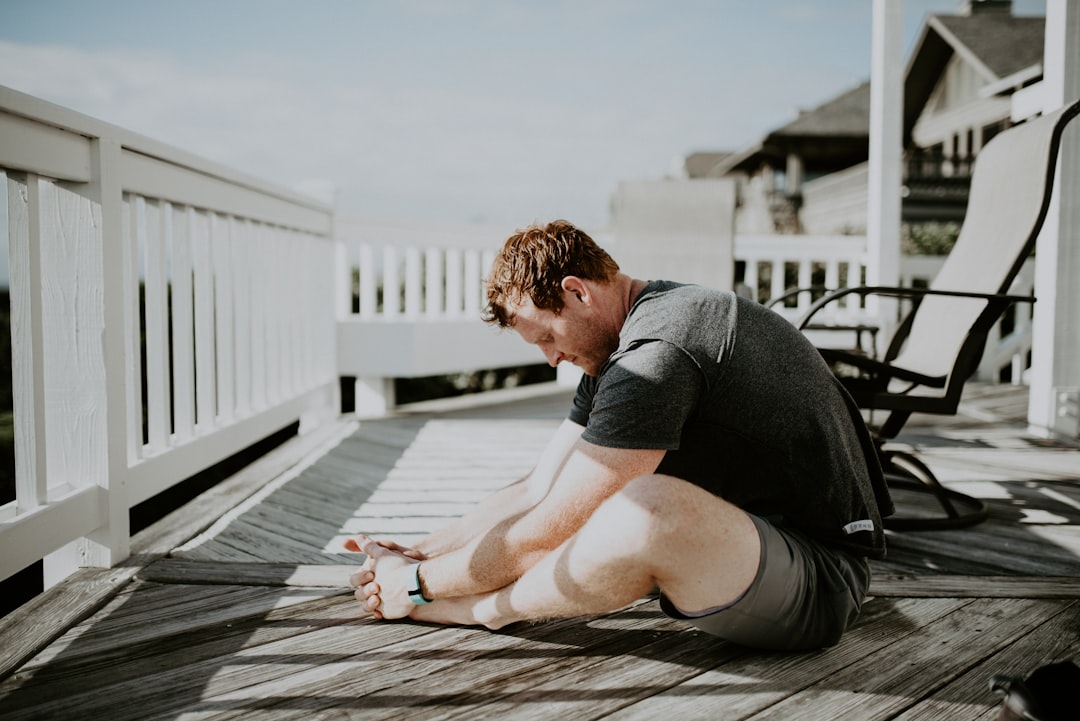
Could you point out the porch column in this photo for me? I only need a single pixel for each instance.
(1054, 404)
(886, 140)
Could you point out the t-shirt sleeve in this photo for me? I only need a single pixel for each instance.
(583, 397)
(642, 398)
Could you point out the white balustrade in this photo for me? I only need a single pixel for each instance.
(166, 314)
(432, 289)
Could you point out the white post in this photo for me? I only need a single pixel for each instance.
(1055, 370)
(85, 353)
(433, 283)
(27, 336)
(886, 113)
(374, 396)
(113, 541)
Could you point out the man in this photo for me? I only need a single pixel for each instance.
(709, 453)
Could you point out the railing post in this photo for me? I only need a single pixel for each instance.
(454, 297)
(157, 324)
(183, 347)
(27, 343)
(474, 279)
(374, 396)
(369, 300)
(751, 278)
(886, 112)
(1054, 403)
(85, 359)
(776, 279)
(414, 286)
(806, 267)
(391, 282)
(434, 285)
(113, 540)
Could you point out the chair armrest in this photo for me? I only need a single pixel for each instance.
(902, 292)
(880, 368)
(794, 292)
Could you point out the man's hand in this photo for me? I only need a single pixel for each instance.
(381, 583)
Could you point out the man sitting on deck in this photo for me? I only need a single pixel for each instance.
(709, 452)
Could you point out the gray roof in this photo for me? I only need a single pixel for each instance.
(847, 114)
(997, 45)
(1002, 43)
(835, 130)
(700, 164)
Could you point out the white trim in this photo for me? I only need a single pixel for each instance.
(1011, 82)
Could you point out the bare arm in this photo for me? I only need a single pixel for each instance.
(500, 555)
(508, 502)
(590, 475)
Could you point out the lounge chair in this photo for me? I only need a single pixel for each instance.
(937, 346)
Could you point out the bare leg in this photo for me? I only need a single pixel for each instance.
(658, 531)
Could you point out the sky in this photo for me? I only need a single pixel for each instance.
(456, 111)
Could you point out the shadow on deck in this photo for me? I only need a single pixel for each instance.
(248, 615)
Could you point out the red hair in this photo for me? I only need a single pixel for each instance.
(533, 263)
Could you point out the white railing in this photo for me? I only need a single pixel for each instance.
(418, 292)
(166, 313)
(777, 262)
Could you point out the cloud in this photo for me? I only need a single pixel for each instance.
(422, 150)
(476, 110)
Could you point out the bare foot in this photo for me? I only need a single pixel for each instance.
(461, 611)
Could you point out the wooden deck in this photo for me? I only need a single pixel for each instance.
(236, 606)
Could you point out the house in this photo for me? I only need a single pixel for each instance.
(958, 92)
(772, 173)
(964, 83)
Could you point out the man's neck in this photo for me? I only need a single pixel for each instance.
(633, 291)
(627, 290)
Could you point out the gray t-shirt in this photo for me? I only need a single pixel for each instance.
(745, 407)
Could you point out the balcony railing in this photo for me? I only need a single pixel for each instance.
(415, 306)
(165, 314)
(168, 313)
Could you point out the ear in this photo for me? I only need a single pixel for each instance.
(575, 289)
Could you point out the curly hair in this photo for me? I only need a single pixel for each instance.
(533, 263)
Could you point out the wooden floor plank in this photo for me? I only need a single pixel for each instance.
(739, 688)
(238, 665)
(115, 658)
(989, 549)
(354, 683)
(186, 571)
(954, 586)
(969, 697)
(217, 549)
(294, 535)
(491, 683)
(877, 687)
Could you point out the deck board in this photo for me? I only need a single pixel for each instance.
(249, 617)
(756, 681)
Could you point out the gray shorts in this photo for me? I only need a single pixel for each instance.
(804, 597)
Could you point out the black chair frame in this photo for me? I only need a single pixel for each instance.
(875, 389)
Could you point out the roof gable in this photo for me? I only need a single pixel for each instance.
(847, 114)
(702, 163)
(996, 45)
(1000, 43)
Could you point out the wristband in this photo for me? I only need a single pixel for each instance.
(416, 593)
